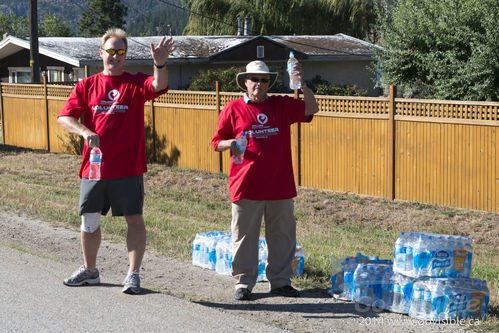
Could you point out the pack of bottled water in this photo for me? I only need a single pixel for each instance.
(213, 250)
(429, 279)
(441, 299)
(433, 255)
(346, 280)
(204, 248)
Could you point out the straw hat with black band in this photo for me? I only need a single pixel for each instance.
(255, 67)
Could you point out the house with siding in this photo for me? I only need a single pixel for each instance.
(340, 59)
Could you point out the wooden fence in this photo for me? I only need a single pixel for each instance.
(430, 151)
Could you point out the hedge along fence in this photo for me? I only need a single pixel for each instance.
(437, 152)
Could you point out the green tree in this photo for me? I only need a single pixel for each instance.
(441, 49)
(102, 15)
(14, 25)
(271, 17)
(51, 26)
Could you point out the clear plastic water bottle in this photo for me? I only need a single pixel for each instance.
(241, 144)
(262, 259)
(196, 246)
(95, 162)
(427, 299)
(298, 261)
(399, 254)
(409, 261)
(294, 80)
(387, 289)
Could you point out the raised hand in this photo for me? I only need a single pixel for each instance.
(161, 52)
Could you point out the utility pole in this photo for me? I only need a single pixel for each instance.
(34, 63)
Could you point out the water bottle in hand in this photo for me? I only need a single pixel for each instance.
(294, 79)
(95, 162)
(241, 144)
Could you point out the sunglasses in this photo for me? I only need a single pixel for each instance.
(256, 80)
(113, 51)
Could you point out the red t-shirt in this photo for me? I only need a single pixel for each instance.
(267, 171)
(113, 107)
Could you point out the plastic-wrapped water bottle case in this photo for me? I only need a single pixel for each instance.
(429, 279)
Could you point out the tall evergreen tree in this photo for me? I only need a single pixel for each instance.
(102, 15)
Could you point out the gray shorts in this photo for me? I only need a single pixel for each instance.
(125, 196)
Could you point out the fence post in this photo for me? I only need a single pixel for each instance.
(391, 139)
(46, 102)
(217, 102)
(298, 146)
(1, 114)
(153, 131)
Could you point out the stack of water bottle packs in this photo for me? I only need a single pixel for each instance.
(213, 250)
(429, 279)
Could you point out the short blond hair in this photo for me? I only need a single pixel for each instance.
(114, 32)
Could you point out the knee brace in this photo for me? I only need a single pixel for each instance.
(90, 222)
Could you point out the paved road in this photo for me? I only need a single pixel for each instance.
(33, 298)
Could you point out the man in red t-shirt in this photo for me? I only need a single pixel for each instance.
(112, 103)
(263, 184)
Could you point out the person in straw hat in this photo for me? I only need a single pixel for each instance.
(263, 184)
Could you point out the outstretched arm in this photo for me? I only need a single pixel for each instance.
(311, 106)
(160, 55)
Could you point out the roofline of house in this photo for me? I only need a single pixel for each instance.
(23, 43)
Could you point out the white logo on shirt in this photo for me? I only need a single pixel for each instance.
(262, 118)
(111, 106)
(113, 95)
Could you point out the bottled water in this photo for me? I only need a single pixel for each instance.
(427, 300)
(417, 298)
(213, 250)
(294, 79)
(387, 288)
(402, 293)
(362, 280)
(400, 253)
(450, 298)
(241, 144)
(434, 256)
(262, 259)
(298, 261)
(409, 260)
(95, 162)
(196, 247)
(223, 264)
(343, 283)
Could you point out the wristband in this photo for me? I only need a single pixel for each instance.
(158, 66)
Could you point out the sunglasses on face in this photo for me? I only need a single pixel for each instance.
(113, 51)
(256, 80)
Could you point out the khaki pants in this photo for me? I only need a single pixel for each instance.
(280, 234)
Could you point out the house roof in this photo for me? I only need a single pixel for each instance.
(80, 51)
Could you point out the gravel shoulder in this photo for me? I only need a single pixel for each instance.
(314, 311)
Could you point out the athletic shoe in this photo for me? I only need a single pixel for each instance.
(131, 285)
(286, 291)
(242, 294)
(83, 276)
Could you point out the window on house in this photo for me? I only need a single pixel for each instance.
(78, 74)
(19, 75)
(260, 51)
(55, 74)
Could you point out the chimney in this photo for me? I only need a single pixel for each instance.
(240, 30)
(247, 26)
